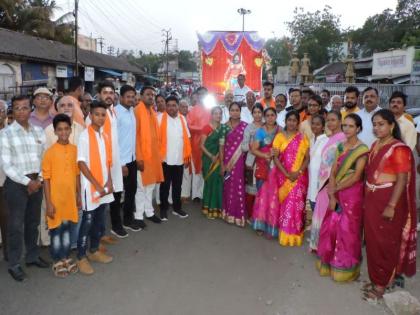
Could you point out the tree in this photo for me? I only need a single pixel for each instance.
(318, 34)
(279, 50)
(186, 61)
(34, 17)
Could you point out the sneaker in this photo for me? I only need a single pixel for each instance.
(180, 214)
(154, 219)
(163, 216)
(135, 225)
(120, 233)
(85, 266)
(108, 240)
(100, 257)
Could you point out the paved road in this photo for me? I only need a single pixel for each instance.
(191, 267)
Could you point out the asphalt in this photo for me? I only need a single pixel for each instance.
(192, 266)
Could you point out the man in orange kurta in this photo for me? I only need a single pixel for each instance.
(197, 118)
(149, 161)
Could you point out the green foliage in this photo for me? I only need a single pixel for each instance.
(316, 33)
(279, 50)
(34, 17)
(186, 61)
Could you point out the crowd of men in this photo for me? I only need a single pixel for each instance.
(67, 160)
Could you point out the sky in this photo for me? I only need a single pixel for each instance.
(138, 24)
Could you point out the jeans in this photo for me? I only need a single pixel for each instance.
(173, 176)
(74, 230)
(130, 188)
(23, 221)
(3, 223)
(91, 227)
(60, 241)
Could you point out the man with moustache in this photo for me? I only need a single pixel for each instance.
(246, 111)
(241, 90)
(186, 177)
(77, 90)
(351, 100)
(370, 98)
(225, 107)
(296, 101)
(397, 103)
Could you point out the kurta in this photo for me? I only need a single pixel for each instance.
(197, 118)
(153, 172)
(60, 167)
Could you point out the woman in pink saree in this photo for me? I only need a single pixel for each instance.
(233, 169)
(327, 159)
(280, 203)
(340, 237)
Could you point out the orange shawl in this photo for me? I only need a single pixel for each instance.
(95, 159)
(272, 103)
(108, 124)
(164, 138)
(143, 131)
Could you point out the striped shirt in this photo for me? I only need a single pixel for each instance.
(21, 151)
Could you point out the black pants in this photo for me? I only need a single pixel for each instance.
(3, 223)
(130, 188)
(23, 221)
(173, 176)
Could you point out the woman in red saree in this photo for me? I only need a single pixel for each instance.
(389, 207)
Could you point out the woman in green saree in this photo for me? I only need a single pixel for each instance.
(213, 180)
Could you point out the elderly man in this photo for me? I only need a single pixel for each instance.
(42, 101)
(370, 98)
(225, 106)
(241, 90)
(246, 111)
(336, 103)
(22, 146)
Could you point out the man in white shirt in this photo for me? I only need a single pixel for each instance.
(176, 153)
(241, 90)
(3, 210)
(397, 103)
(225, 106)
(246, 111)
(22, 147)
(187, 176)
(281, 102)
(370, 99)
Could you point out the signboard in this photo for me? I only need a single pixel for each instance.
(395, 62)
(61, 71)
(89, 74)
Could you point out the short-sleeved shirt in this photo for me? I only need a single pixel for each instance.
(83, 155)
(59, 166)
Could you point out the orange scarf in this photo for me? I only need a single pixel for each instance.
(143, 120)
(164, 138)
(272, 103)
(108, 124)
(95, 159)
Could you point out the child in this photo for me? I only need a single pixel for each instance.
(62, 195)
(94, 159)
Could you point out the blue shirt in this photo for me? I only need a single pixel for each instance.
(126, 122)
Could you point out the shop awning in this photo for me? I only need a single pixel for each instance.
(111, 72)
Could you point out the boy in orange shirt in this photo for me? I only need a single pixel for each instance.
(62, 194)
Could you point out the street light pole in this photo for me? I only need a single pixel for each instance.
(243, 12)
(76, 35)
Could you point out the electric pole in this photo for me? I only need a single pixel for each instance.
(101, 43)
(76, 32)
(111, 50)
(243, 12)
(167, 38)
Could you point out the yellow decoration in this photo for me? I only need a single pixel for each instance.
(209, 61)
(258, 61)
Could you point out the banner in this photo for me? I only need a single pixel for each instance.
(225, 55)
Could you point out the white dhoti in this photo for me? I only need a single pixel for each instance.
(197, 184)
(144, 199)
(186, 184)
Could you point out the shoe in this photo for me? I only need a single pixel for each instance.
(40, 263)
(135, 226)
(100, 257)
(155, 219)
(163, 216)
(109, 240)
(85, 266)
(180, 214)
(120, 233)
(18, 274)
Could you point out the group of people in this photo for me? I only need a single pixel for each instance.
(282, 165)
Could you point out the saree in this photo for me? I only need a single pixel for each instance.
(213, 181)
(234, 211)
(279, 205)
(340, 237)
(322, 200)
(390, 244)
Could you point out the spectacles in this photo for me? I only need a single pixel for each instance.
(43, 97)
(21, 109)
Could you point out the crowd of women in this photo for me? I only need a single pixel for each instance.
(273, 177)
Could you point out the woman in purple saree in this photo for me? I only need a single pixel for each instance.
(233, 169)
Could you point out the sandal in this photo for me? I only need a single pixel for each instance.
(59, 269)
(373, 294)
(71, 266)
(367, 287)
